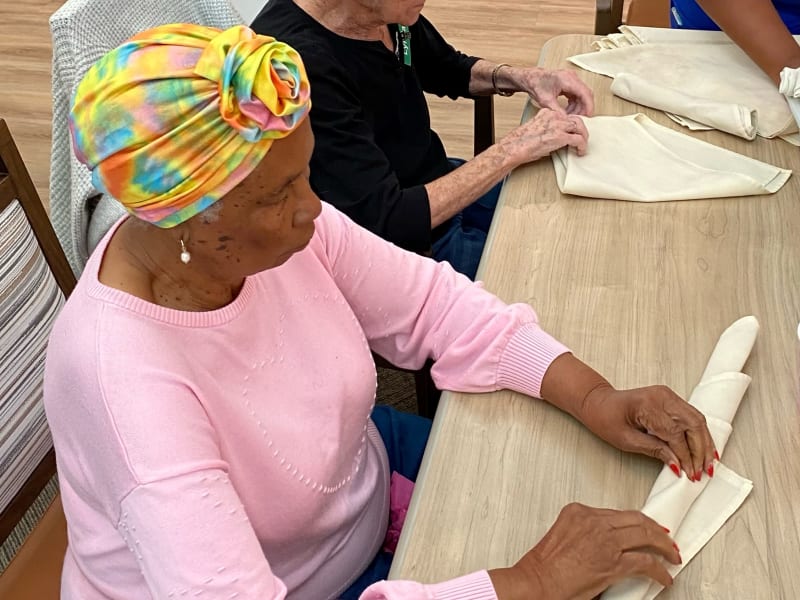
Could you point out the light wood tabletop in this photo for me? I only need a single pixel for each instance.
(640, 291)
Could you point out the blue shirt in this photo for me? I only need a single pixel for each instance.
(686, 14)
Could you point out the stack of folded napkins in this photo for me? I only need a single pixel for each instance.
(700, 79)
(695, 510)
(634, 158)
(633, 35)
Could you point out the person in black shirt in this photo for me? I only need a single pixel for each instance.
(376, 157)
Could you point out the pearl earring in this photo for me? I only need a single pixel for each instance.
(185, 256)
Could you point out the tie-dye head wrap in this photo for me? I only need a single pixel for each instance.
(178, 115)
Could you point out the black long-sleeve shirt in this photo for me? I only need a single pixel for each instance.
(375, 149)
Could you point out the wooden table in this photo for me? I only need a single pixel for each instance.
(641, 292)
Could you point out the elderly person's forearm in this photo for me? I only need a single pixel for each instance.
(757, 28)
(632, 420)
(568, 382)
(453, 192)
(546, 132)
(505, 78)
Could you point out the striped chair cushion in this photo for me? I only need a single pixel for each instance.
(29, 301)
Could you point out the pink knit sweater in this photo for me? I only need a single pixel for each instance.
(229, 454)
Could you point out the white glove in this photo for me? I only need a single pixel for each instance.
(790, 87)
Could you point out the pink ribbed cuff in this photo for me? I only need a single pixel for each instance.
(526, 358)
(475, 586)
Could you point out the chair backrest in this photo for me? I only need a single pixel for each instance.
(35, 278)
(249, 9)
(647, 13)
(83, 31)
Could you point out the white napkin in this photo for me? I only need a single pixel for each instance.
(634, 158)
(705, 114)
(695, 511)
(631, 35)
(790, 87)
(715, 71)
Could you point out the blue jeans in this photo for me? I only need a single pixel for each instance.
(462, 243)
(405, 436)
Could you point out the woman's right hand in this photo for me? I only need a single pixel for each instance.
(548, 131)
(586, 551)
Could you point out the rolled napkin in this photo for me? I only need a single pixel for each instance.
(718, 72)
(729, 117)
(695, 511)
(633, 158)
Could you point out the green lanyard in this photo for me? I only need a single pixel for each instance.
(405, 42)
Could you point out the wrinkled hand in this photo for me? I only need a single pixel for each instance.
(548, 131)
(545, 86)
(586, 551)
(653, 421)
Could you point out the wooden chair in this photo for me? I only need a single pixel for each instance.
(647, 13)
(35, 279)
(426, 391)
(483, 123)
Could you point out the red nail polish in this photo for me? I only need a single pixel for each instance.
(675, 469)
(698, 476)
(665, 529)
(716, 454)
(710, 470)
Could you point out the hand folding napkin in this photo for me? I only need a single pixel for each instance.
(633, 158)
(695, 511)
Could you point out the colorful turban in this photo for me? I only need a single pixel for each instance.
(177, 116)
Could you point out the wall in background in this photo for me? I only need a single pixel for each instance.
(248, 8)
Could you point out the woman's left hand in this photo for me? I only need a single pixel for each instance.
(545, 86)
(653, 421)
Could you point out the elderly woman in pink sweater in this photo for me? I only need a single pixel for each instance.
(210, 382)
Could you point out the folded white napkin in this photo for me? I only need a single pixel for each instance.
(680, 69)
(705, 114)
(634, 158)
(632, 35)
(695, 511)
